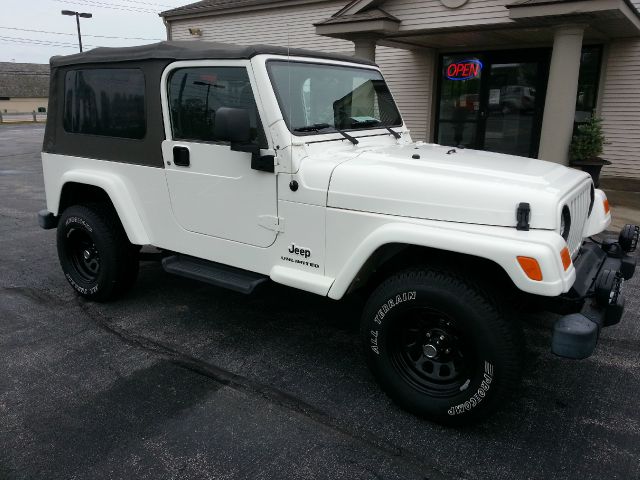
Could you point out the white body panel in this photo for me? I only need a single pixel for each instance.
(352, 237)
(599, 219)
(202, 194)
(128, 188)
(151, 202)
(208, 196)
(350, 200)
(445, 186)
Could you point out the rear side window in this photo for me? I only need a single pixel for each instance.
(195, 94)
(105, 101)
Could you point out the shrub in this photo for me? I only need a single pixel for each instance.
(588, 141)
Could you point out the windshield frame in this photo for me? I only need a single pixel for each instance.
(332, 129)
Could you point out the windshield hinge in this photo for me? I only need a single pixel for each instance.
(271, 222)
(279, 167)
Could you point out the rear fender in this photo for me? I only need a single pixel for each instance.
(119, 195)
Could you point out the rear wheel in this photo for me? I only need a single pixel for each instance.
(94, 252)
(439, 346)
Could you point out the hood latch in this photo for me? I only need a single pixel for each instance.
(522, 216)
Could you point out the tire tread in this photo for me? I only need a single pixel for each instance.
(490, 309)
(107, 225)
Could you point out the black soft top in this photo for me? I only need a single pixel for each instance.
(151, 60)
(190, 50)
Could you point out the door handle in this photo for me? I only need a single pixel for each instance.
(181, 156)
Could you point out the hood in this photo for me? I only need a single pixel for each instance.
(468, 186)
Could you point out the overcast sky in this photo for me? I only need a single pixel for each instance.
(55, 34)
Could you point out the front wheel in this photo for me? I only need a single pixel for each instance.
(439, 346)
(95, 254)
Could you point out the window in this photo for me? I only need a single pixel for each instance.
(105, 101)
(42, 110)
(588, 79)
(195, 94)
(460, 97)
(318, 98)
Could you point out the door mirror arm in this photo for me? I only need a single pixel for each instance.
(245, 147)
(265, 163)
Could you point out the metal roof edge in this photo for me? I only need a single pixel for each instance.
(185, 12)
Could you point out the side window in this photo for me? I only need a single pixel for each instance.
(195, 94)
(588, 79)
(105, 101)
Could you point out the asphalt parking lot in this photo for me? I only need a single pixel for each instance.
(184, 380)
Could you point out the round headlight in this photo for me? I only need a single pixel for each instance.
(565, 223)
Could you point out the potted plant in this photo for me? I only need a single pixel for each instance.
(586, 147)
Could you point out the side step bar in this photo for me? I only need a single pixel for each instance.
(213, 273)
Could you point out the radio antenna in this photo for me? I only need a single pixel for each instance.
(290, 102)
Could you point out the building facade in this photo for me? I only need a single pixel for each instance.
(24, 88)
(511, 76)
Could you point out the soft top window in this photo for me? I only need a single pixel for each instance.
(105, 101)
(196, 93)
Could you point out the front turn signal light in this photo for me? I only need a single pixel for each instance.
(531, 268)
(607, 208)
(566, 258)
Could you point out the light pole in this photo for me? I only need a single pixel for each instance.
(208, 85)
(77, 15)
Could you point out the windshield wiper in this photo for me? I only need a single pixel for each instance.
(394, 133)
(347, 136)
(316, 127)
(312, 128)
(375, 121)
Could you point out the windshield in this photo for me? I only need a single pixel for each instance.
(319, 98)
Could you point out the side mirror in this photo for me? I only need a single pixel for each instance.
(232, 125)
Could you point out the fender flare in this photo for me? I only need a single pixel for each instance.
(498, 244)
(599, 220)
(119, 195)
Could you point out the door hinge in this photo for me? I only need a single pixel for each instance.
(271, 222)
(279, 168)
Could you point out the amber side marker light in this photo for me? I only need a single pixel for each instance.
(607, 208)
(531, 268)
(566, 258)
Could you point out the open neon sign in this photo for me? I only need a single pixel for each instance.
(464, 70)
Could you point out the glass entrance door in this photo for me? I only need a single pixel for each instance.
(459, 108)
(496, 106)
(511, 112)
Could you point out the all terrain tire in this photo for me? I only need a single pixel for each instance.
(96, 257)
(439, 346)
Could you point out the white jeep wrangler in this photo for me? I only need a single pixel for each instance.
(249, 164)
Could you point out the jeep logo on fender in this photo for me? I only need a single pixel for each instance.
(303, 252)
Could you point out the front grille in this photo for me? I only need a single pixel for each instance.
(579, 209)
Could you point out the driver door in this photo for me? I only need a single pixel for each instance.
(213, 190)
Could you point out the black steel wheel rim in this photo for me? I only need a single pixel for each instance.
(431, 352)
(83, 254)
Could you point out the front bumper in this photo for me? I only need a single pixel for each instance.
(600, 274)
